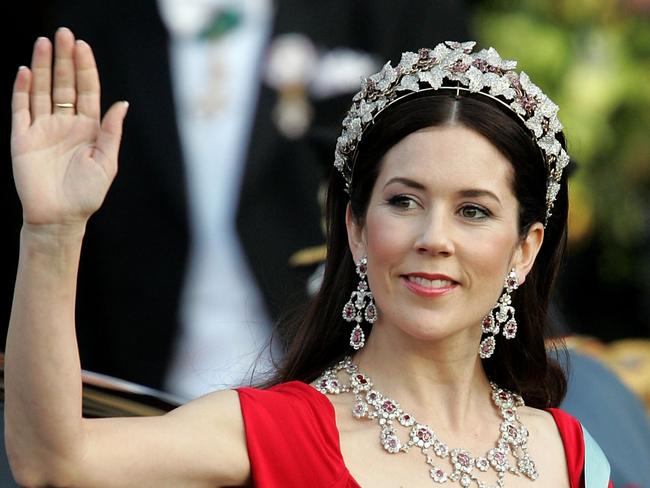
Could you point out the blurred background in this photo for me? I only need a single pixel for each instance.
(592, 57)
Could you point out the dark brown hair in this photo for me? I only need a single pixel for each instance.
(320, 336)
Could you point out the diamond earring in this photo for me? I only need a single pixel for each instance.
(356, 309)
(500, 318)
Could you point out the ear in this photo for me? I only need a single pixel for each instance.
(527, 251)
(356, 236)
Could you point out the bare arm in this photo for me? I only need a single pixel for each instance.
(64, 160)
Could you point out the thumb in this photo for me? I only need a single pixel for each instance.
(110, 134)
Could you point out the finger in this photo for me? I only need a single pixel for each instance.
(88, 91)
(110, 134)
(20, 116)
(41, 86)
(63, 87)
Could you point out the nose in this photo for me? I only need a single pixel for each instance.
(435, 235)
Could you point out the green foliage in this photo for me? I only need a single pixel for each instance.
(592, 57)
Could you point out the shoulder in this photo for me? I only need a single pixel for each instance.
(570, 431)
(223, 406)
(550, 423)
(547, 427)
(215, 412)
(555, 442)
(558, 439)
(554, 427)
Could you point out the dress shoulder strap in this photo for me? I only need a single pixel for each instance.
(291, 437)
(587, 464)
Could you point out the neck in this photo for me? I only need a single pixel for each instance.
(442, 382)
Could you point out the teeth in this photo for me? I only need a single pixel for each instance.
(430, 283)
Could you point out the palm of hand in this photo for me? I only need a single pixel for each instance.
(56, 176)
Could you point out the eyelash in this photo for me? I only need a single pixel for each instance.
(486, 213)
(399, 200)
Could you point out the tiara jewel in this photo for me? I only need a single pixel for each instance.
(454, 66)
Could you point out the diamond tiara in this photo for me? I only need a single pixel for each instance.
(454, 66)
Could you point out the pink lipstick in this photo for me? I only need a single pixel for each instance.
(429, 285)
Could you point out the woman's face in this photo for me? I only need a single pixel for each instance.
(441, 233)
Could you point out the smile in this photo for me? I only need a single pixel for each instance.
(429, 286)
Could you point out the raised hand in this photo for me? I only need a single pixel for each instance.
(64, 156)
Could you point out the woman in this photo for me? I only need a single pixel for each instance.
(449, 200)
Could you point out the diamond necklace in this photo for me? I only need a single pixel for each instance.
(372, 405)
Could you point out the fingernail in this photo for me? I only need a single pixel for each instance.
(126, 104)
(20, 68)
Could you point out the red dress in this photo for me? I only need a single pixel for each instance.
(293, 441)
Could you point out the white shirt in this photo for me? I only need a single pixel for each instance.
(224, 323)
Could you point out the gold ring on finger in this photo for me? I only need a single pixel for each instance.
(64, 105)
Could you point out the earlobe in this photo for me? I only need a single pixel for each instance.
(528, 249)
(355, 235)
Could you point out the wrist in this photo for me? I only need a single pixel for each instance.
(52, 237)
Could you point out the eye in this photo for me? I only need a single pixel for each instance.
(402, 201)
(474, 212)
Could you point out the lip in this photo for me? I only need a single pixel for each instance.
(426, 291)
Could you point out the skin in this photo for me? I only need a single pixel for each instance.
(442, 203)
(64, 161)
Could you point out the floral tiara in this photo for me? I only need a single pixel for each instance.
(454, 66)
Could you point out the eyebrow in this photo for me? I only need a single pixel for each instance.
(470, 192)
(405, 181)
(474, 193)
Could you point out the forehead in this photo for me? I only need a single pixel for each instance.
(449, 157)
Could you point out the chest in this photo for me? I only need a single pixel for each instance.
(372, 466)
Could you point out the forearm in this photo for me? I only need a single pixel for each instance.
(42, 371)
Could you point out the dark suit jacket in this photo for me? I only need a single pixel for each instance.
(613, 415)
(135, 253)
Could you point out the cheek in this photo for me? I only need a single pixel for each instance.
(386, 239)
(487, 261)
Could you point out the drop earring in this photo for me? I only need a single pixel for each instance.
(356, 309)
(500, 318)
